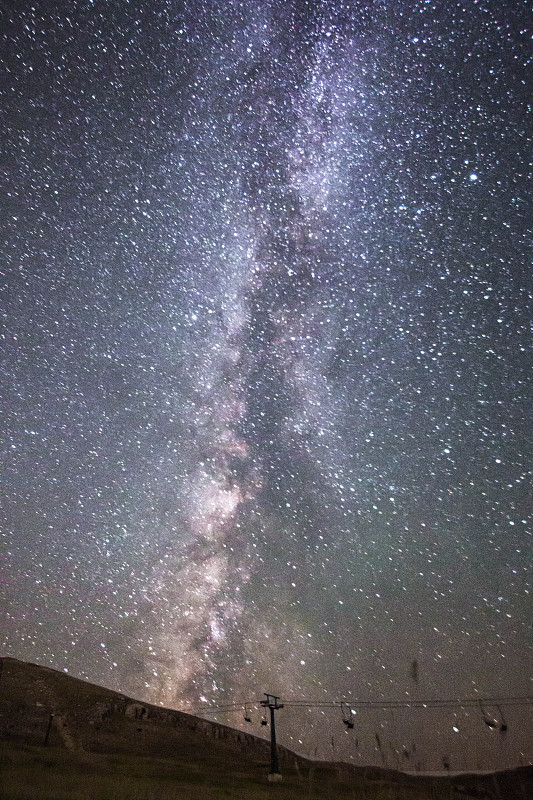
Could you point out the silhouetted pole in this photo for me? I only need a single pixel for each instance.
(272, 703)
(274, 765)
(49, 728)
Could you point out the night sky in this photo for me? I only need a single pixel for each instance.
(267, 360)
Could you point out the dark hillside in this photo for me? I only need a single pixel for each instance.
(64, 739)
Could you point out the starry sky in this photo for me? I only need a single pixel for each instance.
(267, 283)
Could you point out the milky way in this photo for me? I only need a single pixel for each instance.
(267, 360)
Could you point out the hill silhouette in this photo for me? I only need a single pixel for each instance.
(64, 739)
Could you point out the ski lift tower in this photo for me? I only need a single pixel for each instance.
(271, 702)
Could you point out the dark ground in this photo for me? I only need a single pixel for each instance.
(64, 739)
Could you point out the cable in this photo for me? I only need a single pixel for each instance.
(381, 704)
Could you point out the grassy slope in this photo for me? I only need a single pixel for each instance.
(38, 773)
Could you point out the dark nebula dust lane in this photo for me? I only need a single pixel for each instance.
(267, 360)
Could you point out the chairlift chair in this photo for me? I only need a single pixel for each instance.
(491, 721)
(347, 715)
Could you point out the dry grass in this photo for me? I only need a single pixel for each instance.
(38, 773)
